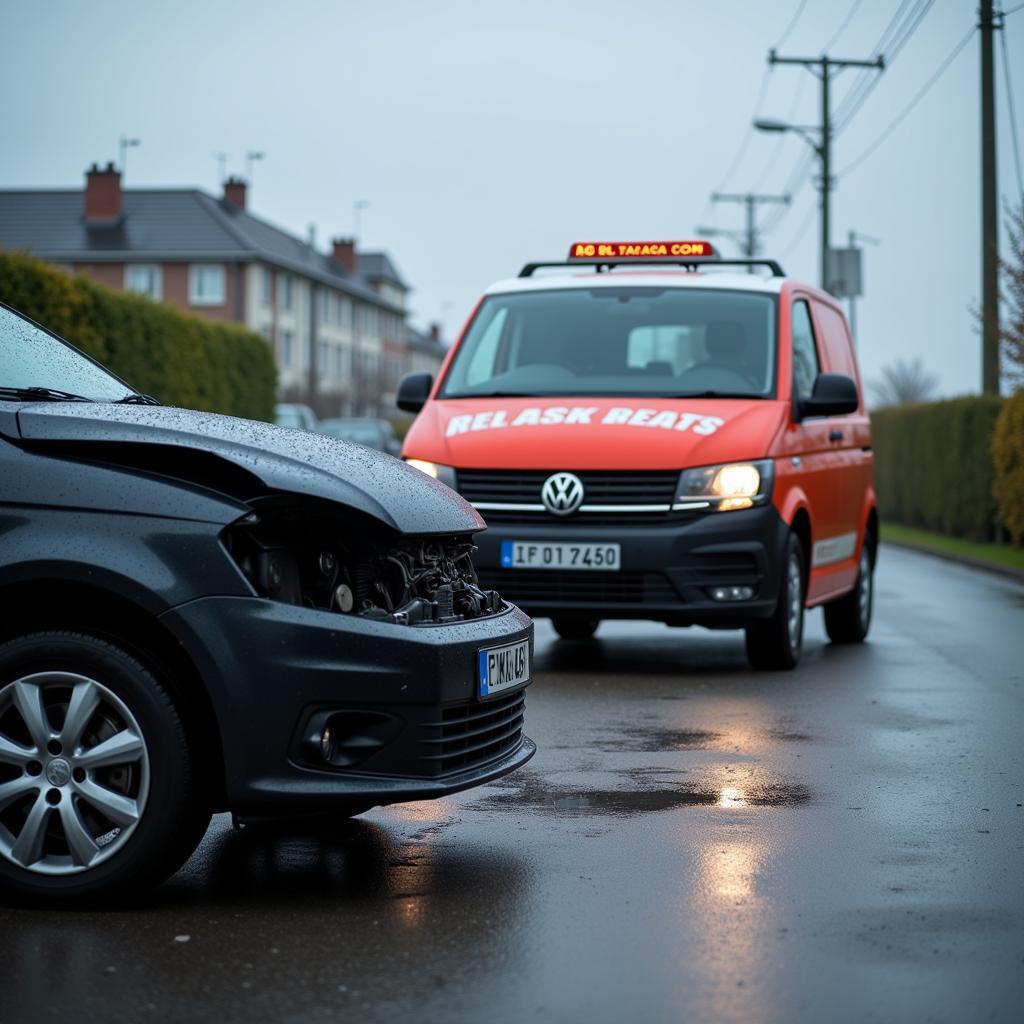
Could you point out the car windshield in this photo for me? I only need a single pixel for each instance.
(32, 359)
(630, 340)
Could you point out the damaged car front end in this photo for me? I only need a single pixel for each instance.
(254, 619)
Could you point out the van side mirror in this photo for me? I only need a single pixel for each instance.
(834, 394)
(413, 391)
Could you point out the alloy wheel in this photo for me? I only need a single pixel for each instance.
(74, 773)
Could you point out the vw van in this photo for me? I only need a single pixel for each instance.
(652, 432)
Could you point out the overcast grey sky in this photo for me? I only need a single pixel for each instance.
(485, 135)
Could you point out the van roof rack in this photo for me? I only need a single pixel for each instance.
(691, 263)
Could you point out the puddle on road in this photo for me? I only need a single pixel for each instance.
(647, 740)
(536, 794)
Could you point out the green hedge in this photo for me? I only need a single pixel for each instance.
(181, 360)
(934, 468)
(1008, 453)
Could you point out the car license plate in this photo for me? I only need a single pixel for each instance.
(517, 554)
(503, 668)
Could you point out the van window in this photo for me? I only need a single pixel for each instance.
(619, 340)
(806, 366)
(838, 350)
(481, 365)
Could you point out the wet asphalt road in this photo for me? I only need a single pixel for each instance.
(693, 842)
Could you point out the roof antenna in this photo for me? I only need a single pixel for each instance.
(124, 145)
(222, 163)
(250, 158)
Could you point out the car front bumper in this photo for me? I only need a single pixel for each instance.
(271, 669)
(667, 570)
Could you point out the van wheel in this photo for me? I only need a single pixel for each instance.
(848, 619)
(775, 643)
(575, 629)
(97, 790)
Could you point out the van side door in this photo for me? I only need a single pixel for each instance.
(850, 434)
(814, 463)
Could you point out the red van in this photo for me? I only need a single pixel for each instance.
(652, 432)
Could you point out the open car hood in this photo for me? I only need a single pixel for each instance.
(278, 459)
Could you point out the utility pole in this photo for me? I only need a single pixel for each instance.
(988, 23)
(825, 67)
(751, 200)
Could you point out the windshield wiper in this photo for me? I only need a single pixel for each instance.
(716, 394)
(37, 394)
(137, 398)
(497, 394)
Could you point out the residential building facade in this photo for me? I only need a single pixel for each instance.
(336, 320)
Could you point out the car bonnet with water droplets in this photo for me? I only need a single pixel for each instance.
(295, 461)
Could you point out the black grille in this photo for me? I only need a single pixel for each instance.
(472, 735)
(522, 487)
(580, 589)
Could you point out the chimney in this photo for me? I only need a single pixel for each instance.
(234, 192)
(434, 333)
(345, 253)
(102, 193)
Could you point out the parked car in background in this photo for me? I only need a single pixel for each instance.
(299, 417)
(201, 613)
(377, 434)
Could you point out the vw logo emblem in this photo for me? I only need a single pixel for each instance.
(562, 493)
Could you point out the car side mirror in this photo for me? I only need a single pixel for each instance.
(834, 394)
(413, 391)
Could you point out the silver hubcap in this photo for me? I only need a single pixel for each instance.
(74, 773)
(864, 590)
(794, 619)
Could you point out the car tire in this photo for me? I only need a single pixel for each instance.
(848, 619)
(575, 629)
(776, 642)
(98, 791)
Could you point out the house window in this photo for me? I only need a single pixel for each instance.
(206, 284)
(287, 292)
(287, 340)
(144, 279)
(268, 286)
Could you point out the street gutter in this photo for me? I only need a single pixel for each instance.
(1006, 571)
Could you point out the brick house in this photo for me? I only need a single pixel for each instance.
(337, 320)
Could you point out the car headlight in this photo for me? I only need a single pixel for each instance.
(439, 472)
(726, 487)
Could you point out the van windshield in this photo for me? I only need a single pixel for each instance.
(633, 340)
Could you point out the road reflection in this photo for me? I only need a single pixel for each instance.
(347, 907)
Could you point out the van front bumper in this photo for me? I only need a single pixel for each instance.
(668, 571)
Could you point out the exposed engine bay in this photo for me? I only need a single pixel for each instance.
(308, 554)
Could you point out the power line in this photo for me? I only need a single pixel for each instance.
(800, 232)
(892, 43)
(741, 152)
(842, 25)
(1013, 113)
(792, 23)
(1013, 10)
(898, 120)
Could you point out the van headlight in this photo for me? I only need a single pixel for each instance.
(726, 487)
(439, 472)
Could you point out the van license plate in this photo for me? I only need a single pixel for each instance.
(503, 668)
(517, 554)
